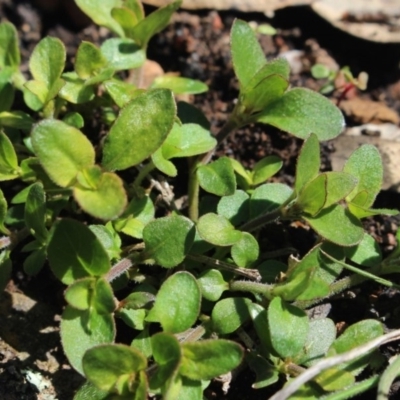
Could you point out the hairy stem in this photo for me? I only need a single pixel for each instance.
(254, 287)
(262, 220)
(247, 273)
(119, 268)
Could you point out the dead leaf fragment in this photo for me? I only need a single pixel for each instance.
(368, 111)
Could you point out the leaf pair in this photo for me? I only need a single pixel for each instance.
(46, 65)
(262, 171)
(68, 158)
(126, 18)
(180, 367)
(264, 96)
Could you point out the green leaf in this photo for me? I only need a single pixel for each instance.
(212, 284)
(35, 261)
(16, 119)
(108, 365)
(354, 336)
(106, 199)
(62, 150)
(265, 168)
(247, 56)
(235, 208)
(277, 66)
(74, 252)
(187, 140)
(288, 326)
(9, 49)
(3, 212)
(208, 359)
(89, 391)
(264, 93)
(217, 177)
(334, 379)
(180, 85)
(126, 18)
(167, 354)
(363, 212)
(244, 179)
(89, 60)
(229, 314)
(326, 224)
(169, 239)
(299, 283)
(91, 293)
(245, 251)
(8, 159)
(301, 112)
(137, 300)
(91, 328)
(46, 65)
(189, 114)
(153, 23)
(100, 12)
(35, 212)
(313, 196)
(142, 342)
(135, 319)
(74, 119)
(7, 90)
(136, 7)
(121, 92)
(191, 389)
(140, 129)
(308, 162)
(78, 295)
(217, 230)
(320, 71)
(321, 270)
(75, 90)
(268, 197)
(321, 335)
(123, 54)
(365, 164)
(161, 163)
(367, 253)
(266, 373)
(338, 186)
(177, 304)
(138, 214)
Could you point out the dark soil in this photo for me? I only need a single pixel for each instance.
(196, 45)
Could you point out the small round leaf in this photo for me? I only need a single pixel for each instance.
(217, 230)
(169, 239)
(177, 304)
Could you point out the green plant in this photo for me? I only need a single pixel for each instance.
(341, 81)
(98, 227)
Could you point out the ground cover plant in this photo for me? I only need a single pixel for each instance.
(204, 298)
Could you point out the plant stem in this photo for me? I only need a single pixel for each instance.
(192, 335)
(254, 287)
(229, 127)
(194, 187)
(119, 268)
(247, 273)
(262, 220)
(193, 193)
(143, 172)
